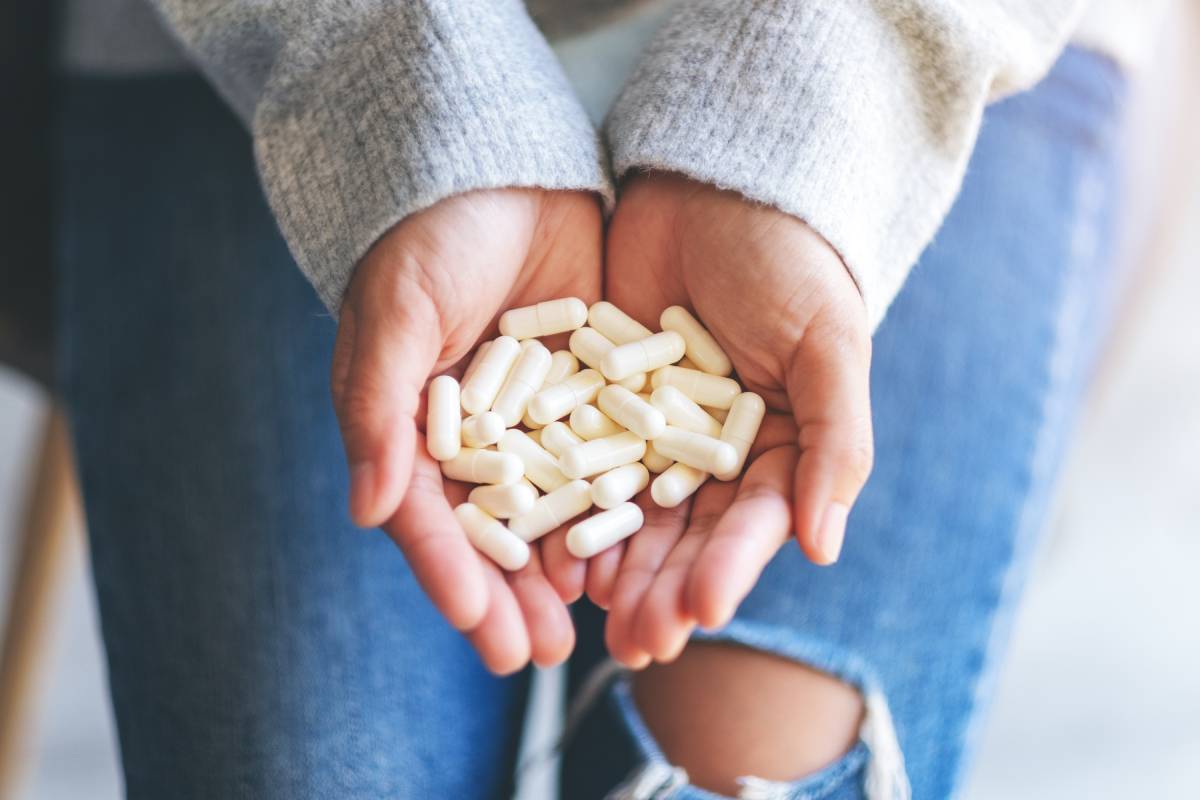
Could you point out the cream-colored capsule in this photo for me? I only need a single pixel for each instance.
(544, 319)
(505, 500)
(443, 425)
(655, 461)
(483, 466)
(601, 531)
(617, 326)
(552, 510)
(704, 389)
(643, 355)
(555, 402)
(630, 411)
(601, 455)
(634, 383)
(563, 364)
(682, 412)
(523, 382)
(676, 485)
(480, 391)
(618, 485)
(589, 422)
(745, 417)
(480, 430)
(474, 363)
(557, 437)
(589, 346)
(695, 449)
(540, 466)
(490, 537)
(702, 348)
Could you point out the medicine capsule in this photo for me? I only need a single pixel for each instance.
(480, 391)
(682, 412)
(635, 383)
(552, 510)
(544, 319)
(523, 382)
(483, 466)
(601, 531)
(505, 500)
(589, 346)
(616, 326)
(490, 537)
(618, 485)
(480, 430)
(529, 422)
(475, 359)
(704, 389)
(702, 348)
(539, 466)
(563, 364)
(557, 437)
(589, 422)
(655, 461)
(745, 417)
(630, 411)
(676, 485)
(443, 424)
(601, 455)
(644, 355)
(695, 450)
(557, 401)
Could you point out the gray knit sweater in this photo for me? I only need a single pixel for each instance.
(855, 115)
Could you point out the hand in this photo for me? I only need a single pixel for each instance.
(420, 299)
(780, 302)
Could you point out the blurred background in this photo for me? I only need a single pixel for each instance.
(1101, 691)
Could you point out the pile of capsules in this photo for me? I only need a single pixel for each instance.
(645, 403)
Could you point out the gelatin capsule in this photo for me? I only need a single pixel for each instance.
(644, 355)
(490, 537)
(443, 424)
(601, 455)
(544, 319)
(619, 485)
(601, 531)
(480, 391)
(702, 349)
(552, 510)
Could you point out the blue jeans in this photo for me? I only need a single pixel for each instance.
(261, 646)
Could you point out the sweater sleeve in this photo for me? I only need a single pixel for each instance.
(365, 111)
(857, 116)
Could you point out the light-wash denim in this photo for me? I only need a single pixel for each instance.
(259, 646)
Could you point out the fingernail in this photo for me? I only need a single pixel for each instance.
(362, 489)
(832, 532)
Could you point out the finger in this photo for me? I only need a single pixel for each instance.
(828, 387)
(551, 634)
(501, 639)
(742, 543)
(386, 352)
(436, 548)
(602, 572)
(566, 573)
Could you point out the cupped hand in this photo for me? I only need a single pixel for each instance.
(781, 303)
(419, 301)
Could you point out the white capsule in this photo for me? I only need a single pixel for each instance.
(704, 389)
(601, 531)
(490, 537)
(682, 412)
(589, 346)
(745, 417)
(557, 437)
(617, 326)
(504, 500)
(480, 391)
(475, 359)
(655, 461)
(443, 425)
(635, 383)
(589, 422)
(540, 466)
(483, 466)
(480, 430)
(601, 455)
(563, 364)
(544, 319)
(552, 510)
(702, 348)
(618, 485)
(523, 382)
(695, 450)
(557, 401)
(676, 485)
(643, 355)
(630, 411)
(719, 414)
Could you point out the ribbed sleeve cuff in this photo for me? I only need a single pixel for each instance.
(428, 100)
(821, 109)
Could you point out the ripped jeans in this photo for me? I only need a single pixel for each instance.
(260, 646)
